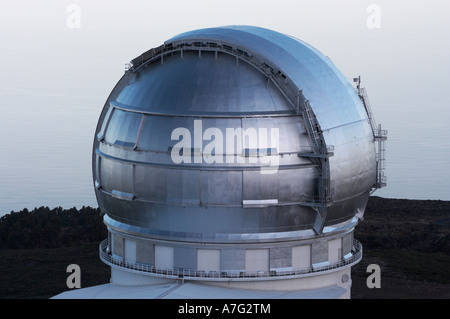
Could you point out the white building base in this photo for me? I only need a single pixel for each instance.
(128, 285)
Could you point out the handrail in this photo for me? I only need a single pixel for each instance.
(195, 274)
(379, 135)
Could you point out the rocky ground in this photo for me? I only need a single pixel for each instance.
(410, 241)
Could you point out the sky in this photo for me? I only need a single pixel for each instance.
(43, 52)
(74, 52)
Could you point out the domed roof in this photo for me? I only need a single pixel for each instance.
(206, 86)
(235, 77)
(332, 98)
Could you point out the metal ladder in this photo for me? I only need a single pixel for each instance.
(379, 135)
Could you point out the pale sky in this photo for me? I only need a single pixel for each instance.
(40, 52)
(404, 61)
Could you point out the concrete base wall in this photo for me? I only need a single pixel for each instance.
(126, 278)
(339, 277)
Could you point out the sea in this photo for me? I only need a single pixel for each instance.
(46, 148)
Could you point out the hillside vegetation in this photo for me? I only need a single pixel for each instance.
(51, 228)
(408, 239)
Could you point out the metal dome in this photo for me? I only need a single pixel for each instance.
(311, 165)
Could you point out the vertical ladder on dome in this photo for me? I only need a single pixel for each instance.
(379, 135)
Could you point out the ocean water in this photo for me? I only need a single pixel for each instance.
(46, 147)
(418, 150)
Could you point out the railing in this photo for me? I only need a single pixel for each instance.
(380, 136)
(194, 274)
(365, 100)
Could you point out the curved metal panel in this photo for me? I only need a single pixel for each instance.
(332, 98)
(226, 196)
(201, 85)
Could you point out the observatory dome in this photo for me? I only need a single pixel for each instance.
(232, 139)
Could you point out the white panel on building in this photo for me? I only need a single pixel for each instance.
(257, 259)
(130, 251)
(301, 257)
(334, 250)
(163, 257)
(208, 259)
(117, 246)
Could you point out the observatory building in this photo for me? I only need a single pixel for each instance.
(235, 161)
